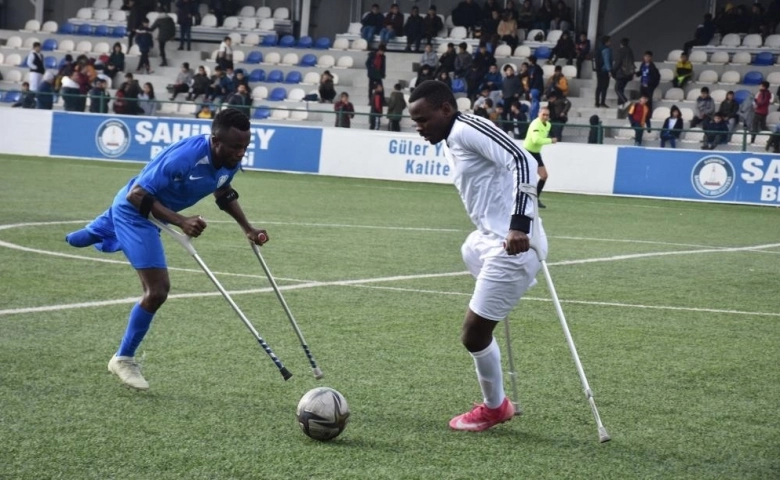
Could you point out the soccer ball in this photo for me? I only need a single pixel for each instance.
(322, 413)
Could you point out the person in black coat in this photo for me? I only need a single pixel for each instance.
(649, 78)
(144, 41)
(376, 64)
(432, 25)
(44, 96)
(167, 32)
(413, 29)
(467, 14)
(98, 97)
(184, 16)
(672, 128)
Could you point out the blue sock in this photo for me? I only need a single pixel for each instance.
(81, 238)
(137, 326)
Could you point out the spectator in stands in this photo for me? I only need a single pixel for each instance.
(221, 85)
(27, 99)
(544, 16)
(511, 86)
(525, 79)
(683, 72)
(526, 17)
(447, 60)
(184, 15)
(482, 98)
(377, 107)
(116, 62)
(517, 121)
(444, 77)
(704, 109)
(488, 8)
(716, 132)
(147, 103)
(144, 40)
(511, 7)
(425, 73)
(134, 16)
(535, 104)
(463, 61)
(327, 87)
(98, 98)
(557, 82)
(493, 80)
(393, 24)
(563, 12)
(120, 102)
(507, 30)
(239, 78)
(376, 65)
(395, 108)
(746, 113)
(649, 78)
(703, 34)
(473, 81)
(594, 131)
(729, 110)
(559, 107)
(413, 29)
(672, 128)
(165, 6)
(428, 57)
(773, 14)
(757, 19)
(535, 76)
(225, 53)
(44, 96)
(565, 48)
(205, 112)
(623, 71)
(484, 109)
(35, 63)
(603, 71)
(217, 8)
(183, 81)
(345, 111)
(241, 100)
(637, 116)
(497, 115)
(83, 79)
(70, 92)
(432, 25)
(483, 60)
(131, 90)
(200, 84)
(167, 28)
(467, 14)
(372, 23)
(583, 51)
(761, 103)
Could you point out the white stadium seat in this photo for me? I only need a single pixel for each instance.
(354, 28)
(168, 107)
(248, 11)
(135, 52)
(263, 12)
(533, 34)
(50, 27)
(731, 40)
(248, 23)
(698, 56)
(441, 48)
(152, 16)
(116, 4)
(299, 114)
(741, 58)
(660, 113)
(32, 26)
(102, 15)
(753, 40)
(230, 23)
(251, 39)
(341, 44)
(290, 59)
(311, 78)
(695, 135)
(101, 48)
(464, 104)
(674, 56)
(674, 94)
(2, 58)
(458, 33)
(692, 95)
(29, 41)
(280, 114)
(773, 78)
(448, 22)
(345, 62)
(84, 14)
(66, 45)
(772, 41)
(187, 109)
(281, 13)
(85, 46)
(335, 78)
(119, 16)
(13, 42)
(296, 95)
(667, 75)
(718, 95)
(708, 76)
(272, 58)
(266, 25)
(259, 93)
(238, 56)
(326, 61)
(719, 58)
(14, 76)
(100, 4)
(523, 51)
(549, 70)
(686, 113)
(358, 44)
(569, 71)
(208, 20)
(554, 35)
(235, 38)
(730, 77)
(503, 51)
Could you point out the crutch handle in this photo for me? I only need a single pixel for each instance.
(184, 240)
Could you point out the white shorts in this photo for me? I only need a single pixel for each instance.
(502, 279)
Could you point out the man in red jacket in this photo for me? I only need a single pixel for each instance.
(761, 109)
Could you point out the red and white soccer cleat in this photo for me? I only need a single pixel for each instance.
(481, 417)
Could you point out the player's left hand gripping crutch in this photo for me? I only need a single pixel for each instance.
(186, 242)
(531, 190)
(314, 368)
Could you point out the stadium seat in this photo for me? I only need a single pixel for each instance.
(569, 71)
(293, 77)
(248, 23)
(296, 95)
(543, 52)
(275, 76)
(693, 94)
(533, 34)
(764, 59)
(263, 12)
(267, 25)
(503, 51)
(119, 32)
(101, 31)
(708, 76)
(84, 14)
(254, 57)
(102, 15)
(464, 104)
(358, 44)
(13, 59)
(674, 56)
(312, 78)
(667, 75)
(719, 58)
(741, 58)
(281, 13)
(259, 93)
(50, 63)
(660, 113)
(49, 45)
(235, 38)
(119, 16)
(354, 28)
(29, 42)
(308, 60)
(305, 42)
(753, 78)
(522, 51)
(698, 56)
(322, 43)
(290, 59)
(772, 41)
(135, 51)
(12, 97)
(247, 11)
(773, 78)
(753, 40)
(299, 114)
(261, 113)
(458, 33)
(230, 23)
(341, 44)
(84, 29)
(67, 29)
(718, 95)
(50, 27)
(554, 35)
(287, 41)
(85, 46)
(742, 95)
(251, 39)
(32, 26)
(209, 20)
(269, 41)
(100, 4)
(674, 94)
(458, 85)
(345, 62)
(326, 61)
(730, 77)
(548, 71)
(257, 75)
(239, 56)
(115, 4)
(731, 40)
(101, 48)
(278, 94)
(280, 114)
(272, 58)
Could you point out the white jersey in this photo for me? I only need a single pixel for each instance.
(488, 167)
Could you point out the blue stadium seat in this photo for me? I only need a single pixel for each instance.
(50, 63)
(305, 42)
(257, 75)
(753, 78)
(742, 95)
(275, 76)
(261, 113)
(764, 59)
(322, 43)
(12, 97)
(308, 60)
(119, 32)
(268, 41)
(277, 94)
(543, 53)
(67, 29)
(458, 85)
(101, 31)
(254, 57)
(287, 41)
(49, 45)
(293, 76)
(84, 29)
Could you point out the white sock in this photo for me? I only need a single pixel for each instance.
(489, 374)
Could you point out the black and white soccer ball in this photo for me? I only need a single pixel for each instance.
(322, 413)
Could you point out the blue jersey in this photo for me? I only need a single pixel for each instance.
(180, 175)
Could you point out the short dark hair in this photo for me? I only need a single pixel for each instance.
(36, 44)
(705, 90)
(606, 39)
(463, 45)
(186, 65)
(230, 118)
(624, 42)
(765, 84)
(397, 86)
(558, 68)
(436, 93)
(649, 52)
(532, 59)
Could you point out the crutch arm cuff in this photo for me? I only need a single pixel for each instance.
(224, 200)
(521, 223)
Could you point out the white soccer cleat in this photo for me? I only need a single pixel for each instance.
(129, 371)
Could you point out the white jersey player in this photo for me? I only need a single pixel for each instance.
(492, 174)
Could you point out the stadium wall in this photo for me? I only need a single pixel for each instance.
(726, 177)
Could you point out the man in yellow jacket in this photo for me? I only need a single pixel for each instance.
(538, 136)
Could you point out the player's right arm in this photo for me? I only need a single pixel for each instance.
(147, 204)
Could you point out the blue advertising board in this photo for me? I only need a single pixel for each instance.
(273, 147)
(741, 177)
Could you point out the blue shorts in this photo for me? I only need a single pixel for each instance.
(122, 228)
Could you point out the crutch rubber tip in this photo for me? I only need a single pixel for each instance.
(604, 436)
(285, 373)
(318, 373)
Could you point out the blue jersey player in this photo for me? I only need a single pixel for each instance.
(177, 178)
